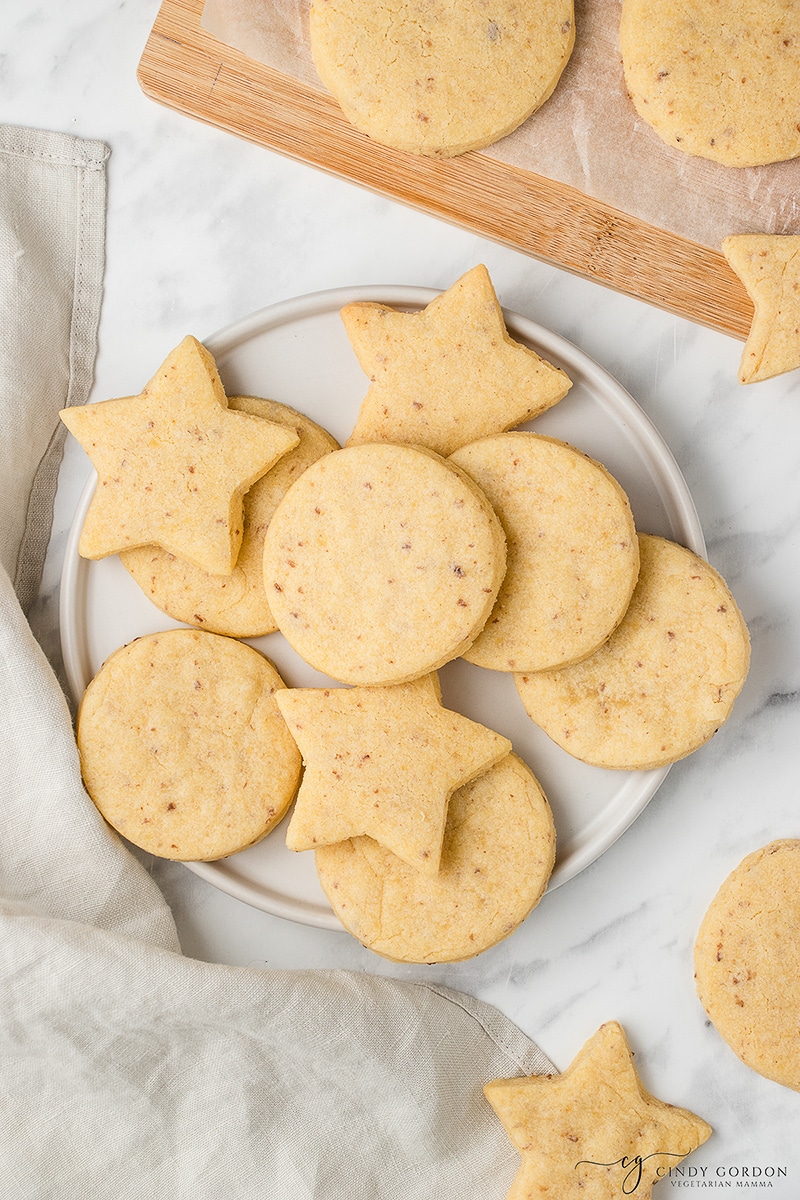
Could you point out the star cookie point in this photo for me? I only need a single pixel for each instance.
(497, 857)
(769, 267)
(382, 761)
(449, 374)
(235, 604)
(173, 463)
(593, 1132)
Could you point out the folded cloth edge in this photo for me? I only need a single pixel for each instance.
(507, 1036)
(87, 157)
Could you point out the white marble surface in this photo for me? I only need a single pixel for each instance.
(202, 229)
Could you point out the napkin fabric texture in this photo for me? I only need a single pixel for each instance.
(128, 1070)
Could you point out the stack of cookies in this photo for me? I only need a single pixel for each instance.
(440, 530)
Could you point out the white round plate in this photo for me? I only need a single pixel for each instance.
(298, 353)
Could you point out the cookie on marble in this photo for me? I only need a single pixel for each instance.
(593, 1132)
(235, 604)
(182, 746)
(747, 961)
(382, 761)
(448, 374)
(173, 464)
(439, 78)
(497, 857)
(769, 267)
(573, 555)
(666, 679)
(721, 81)
(382, 563)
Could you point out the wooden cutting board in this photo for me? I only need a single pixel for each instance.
(187, 69)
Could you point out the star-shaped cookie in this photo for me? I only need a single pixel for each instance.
(382, 761)
(769, 267)
(592, 1133)
(174, 463)
(449, 374)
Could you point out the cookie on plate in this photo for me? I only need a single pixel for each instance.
(382, 761)
(382, 563)
(593, 1132)
(747, 961)
(448, 374)
(573, 556)
(439, 78)
(666, 679)
(720, 80)
(497, 856)
(182, 746)
(769, 267)
(235, 604)
(174, 463)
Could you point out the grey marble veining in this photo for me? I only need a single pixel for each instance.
(204, 228)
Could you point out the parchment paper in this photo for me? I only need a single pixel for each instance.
(587, 135)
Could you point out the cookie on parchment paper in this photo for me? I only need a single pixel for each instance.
(440, 78)
(182, 746)
(720, 80)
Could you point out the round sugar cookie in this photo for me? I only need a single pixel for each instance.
(573, 556)
(182, 746)
(747, 961)
(440, 77)
(664, 681)
(720, 80)
(497, 857)
(382, 563)
(234, 604)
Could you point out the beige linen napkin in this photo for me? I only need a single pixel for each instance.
(129, 1070)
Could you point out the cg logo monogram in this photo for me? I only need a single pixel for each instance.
(631, 1165)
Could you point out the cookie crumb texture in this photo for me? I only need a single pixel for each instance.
(382, 762)
(173, 464)
(666, 679)
(747, 961)
(573, 555)
(769, 267)
(593, 1132)
(182, 746)
(440, 77)
(449, 374)
(382, 563)
(721, 80)
(236, 604)
(497, 856)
